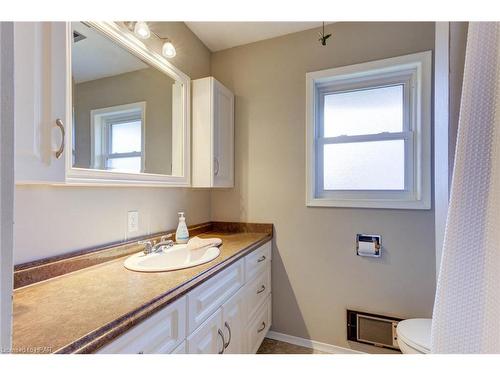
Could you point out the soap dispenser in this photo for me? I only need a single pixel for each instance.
(182, 233)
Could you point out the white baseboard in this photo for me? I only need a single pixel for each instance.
(307, 343)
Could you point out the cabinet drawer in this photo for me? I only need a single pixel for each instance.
(259, 326)
(256, 261)
(257, 290)
(161, 333)
(209, 296)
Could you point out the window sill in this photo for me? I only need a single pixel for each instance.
(372, 203)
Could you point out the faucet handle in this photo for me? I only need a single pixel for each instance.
(165, 237)
(148, 246)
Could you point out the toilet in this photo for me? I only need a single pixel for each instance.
(414, 336)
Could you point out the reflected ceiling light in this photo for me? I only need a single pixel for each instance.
(141, 29)
(168, 49)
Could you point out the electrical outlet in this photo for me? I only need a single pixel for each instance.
(133, 221)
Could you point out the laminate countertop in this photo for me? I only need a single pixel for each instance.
(81, 311)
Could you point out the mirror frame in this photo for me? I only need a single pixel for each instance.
(84, 176)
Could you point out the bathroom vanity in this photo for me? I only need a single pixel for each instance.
(223, 306)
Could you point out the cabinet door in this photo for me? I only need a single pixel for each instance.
(223, 136)
(208, 338)
(41, 53)
(234, 321)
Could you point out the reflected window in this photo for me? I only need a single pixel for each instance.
(118, 138)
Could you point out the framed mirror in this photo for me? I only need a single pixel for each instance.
(130, 111)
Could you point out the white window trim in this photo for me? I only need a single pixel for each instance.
(100, 120)
(418, 194)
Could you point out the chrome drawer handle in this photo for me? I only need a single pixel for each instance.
(229, 331)
(60, 125)
(262, 288)
(263, 327)
(223, 342)
(261, 259)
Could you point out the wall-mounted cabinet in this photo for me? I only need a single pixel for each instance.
(213, 134)
(41, 109)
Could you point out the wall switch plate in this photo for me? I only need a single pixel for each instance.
(133, 221)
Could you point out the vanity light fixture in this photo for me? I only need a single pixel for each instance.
(168, 49)
(141, 29)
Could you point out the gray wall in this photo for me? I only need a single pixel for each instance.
(316, 274)
(54, 220)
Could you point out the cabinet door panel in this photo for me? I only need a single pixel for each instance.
(223, 136)
(208, 338)
(234, 321)
(42, 70)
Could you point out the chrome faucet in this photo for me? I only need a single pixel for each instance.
(149, 248)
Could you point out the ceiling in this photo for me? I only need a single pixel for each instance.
(221, 35)
(96, 56)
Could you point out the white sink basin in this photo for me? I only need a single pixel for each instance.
(175, 258)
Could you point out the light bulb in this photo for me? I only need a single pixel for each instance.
(168, 49)
(141, 29)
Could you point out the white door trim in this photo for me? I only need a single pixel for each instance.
(6, 181)
(441, 138)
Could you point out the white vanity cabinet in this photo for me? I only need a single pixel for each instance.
(213, 134)
(227, 314)
(41, 108)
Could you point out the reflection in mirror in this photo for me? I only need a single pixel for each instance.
(127, 115)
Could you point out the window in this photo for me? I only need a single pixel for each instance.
(118, 138)
(124, 151)
(368, 134)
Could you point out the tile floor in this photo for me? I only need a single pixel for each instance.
(270, 346)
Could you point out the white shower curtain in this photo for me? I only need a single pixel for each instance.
(466, 315)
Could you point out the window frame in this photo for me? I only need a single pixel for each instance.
(414, 73)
